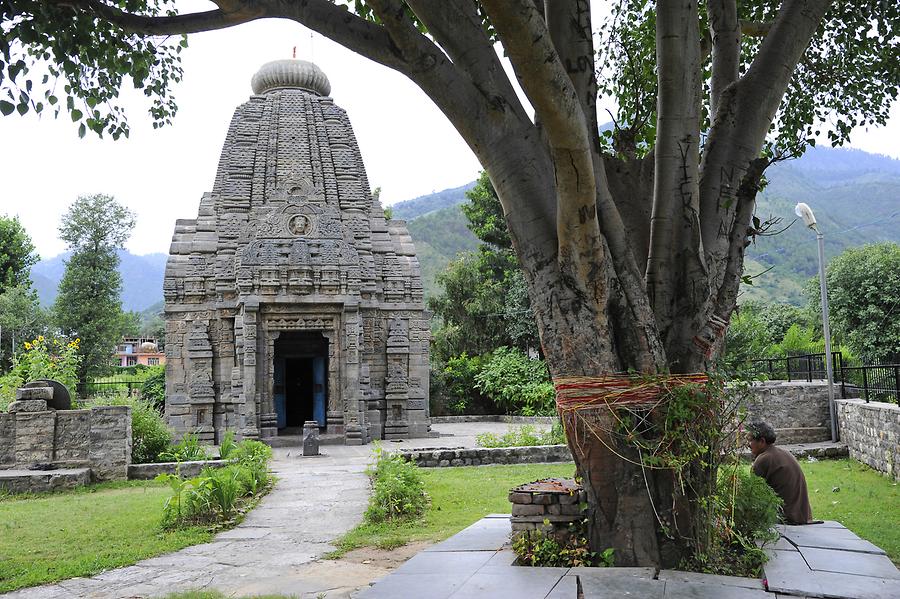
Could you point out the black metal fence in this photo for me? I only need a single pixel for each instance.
(871, 382)
(110, 385)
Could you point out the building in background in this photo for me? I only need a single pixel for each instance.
(134, 351)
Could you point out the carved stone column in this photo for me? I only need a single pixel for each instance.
(355, 429)
(201, 392)
(396, 425)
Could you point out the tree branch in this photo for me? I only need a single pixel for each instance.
(676, 275)
(168, 25)
(726, 48)
(746, 109)
(552, 94)
(756, 28)
(469, 48)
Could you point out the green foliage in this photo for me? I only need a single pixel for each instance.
(153, 389)
(749, 506)
(17, 254)
(42, 358)
(799, 341)
(864, 300)
(21, 317)
(188, 449)
(455, 387)
(91, 60)
(218, 494)
(537, 548)
(88, 305)
(517, 383)
(227, 447)
(485, 214)
(524, 436)
(398, 491)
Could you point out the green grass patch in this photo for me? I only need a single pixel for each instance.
(459, 497)
(859, 498)
(50, 537)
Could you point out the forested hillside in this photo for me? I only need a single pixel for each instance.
(855, 195)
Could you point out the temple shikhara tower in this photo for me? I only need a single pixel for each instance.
(290, 298)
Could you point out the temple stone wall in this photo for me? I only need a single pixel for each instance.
(98, 438)
(290, 248)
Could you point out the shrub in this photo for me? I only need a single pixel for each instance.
(153, 389)
(524, 436)
(537, 548)
(43, 358)
(516, 383)
(149, 434)
(218, 495)
(398, 489)
(748, 504)
(227, 446)
(188, 449)
(459, 390)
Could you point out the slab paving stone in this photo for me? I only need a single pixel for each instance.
(485, 535)
(418, 586)
(566, 588)
(435, 562)
(245, 533)
(729, 581)
(676, 589)
(648, 573)
(509, 583)
(849, 562)
(616, 587)
(829, 538)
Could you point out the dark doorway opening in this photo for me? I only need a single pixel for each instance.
(300, 386)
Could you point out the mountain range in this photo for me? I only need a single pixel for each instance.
(855, 195)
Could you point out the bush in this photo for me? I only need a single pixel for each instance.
(524, 436)
(153, 389)
(748, 504)
(149, 434)
(458, 389)
(516, 383)
(188, 449)
(398, 491)
(43, 358)
(219, 495)
(536, 548)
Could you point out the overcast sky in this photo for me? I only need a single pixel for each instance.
(408, 146)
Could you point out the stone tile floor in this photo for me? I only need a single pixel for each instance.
(824, 560)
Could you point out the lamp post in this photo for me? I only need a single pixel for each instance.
(809, 219)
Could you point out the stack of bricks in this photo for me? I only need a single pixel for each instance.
(549, 505)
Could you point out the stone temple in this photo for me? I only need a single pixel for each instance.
(290, 297)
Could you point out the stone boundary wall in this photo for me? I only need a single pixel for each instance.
(494, 418)
(98, 438)
(872, 433)
(479, 456)
(184, 469)
(798, 411)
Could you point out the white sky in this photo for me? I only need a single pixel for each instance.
(408, 146)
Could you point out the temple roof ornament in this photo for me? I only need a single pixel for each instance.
(290, 74)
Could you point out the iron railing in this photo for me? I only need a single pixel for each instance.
(110, 385)
(871, 382)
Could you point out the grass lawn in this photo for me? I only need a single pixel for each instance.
(867, 503)
(859, 498)
(459, 497)
(51, 537)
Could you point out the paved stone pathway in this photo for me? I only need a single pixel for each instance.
(276, 549)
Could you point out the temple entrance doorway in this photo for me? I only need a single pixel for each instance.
(300, 380)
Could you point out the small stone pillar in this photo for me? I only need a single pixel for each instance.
(31, 399)
(311, 437)
(549, 505)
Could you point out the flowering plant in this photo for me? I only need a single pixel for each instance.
(48, 358)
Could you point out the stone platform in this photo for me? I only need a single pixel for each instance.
(478, 562)
(41, 481)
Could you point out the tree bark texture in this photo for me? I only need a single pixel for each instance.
(631, 263)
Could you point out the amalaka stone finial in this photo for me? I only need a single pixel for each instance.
(290, 74)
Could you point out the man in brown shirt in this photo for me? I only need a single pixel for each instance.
(781, 470)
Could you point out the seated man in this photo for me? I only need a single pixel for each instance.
(781, 470)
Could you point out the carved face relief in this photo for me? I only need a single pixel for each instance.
(299, 225)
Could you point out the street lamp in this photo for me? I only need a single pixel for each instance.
(809, 219)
